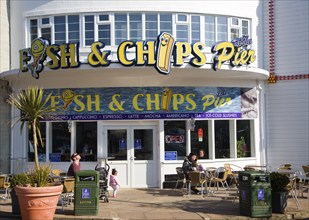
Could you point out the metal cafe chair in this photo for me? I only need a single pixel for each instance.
(291, 187)
(67, 195)
(180, 178)
(197, 178)
(220, 179)
(304, 182)
(4, 186)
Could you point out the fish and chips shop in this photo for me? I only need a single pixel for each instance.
(143, 102)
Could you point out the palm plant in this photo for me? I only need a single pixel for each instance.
(32, 104)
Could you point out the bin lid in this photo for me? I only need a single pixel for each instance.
(87, 175)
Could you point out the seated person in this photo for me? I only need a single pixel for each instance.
(75, 165)
(189, 164)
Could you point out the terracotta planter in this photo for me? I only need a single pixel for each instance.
(37, 203)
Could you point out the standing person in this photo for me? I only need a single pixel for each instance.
(113, 182)
(75, 165)
(189, 164)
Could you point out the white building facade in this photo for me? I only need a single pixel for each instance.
(4, 88)
(286, 56)
(142, 83)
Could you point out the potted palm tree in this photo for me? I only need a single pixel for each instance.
(17, 180)
(37, 199)
(279, 194)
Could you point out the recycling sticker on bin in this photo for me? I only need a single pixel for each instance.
(85, 193)
(261, 195)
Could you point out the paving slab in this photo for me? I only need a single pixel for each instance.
(167, 204)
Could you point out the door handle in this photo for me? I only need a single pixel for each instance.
(132, 158)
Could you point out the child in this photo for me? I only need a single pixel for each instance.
(113, 182)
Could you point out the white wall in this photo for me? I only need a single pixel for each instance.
(4, 107)
(4, 36)
(287, 101)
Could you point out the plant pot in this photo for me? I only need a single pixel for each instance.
(15, 203)
(279, 201)
(37, 203)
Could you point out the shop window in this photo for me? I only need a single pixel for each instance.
(41, 148)
(66, 29)
(151, 26)
(243, 138)
(135, 21)
(182, 32)
(46, 33)
(199, 138)
(182, 18)
(195, 29)
(60, 142)
(245, 27)
(33, 29)
(222, 29)
(120, 28)
(222, 139)
(143, 144)
(175, 139)
(182, 28)
(73, 29)
(209, 31)
(166, 23)
(59, 29)
(103, 17)
(129, 26)
(86, 140)
(104, 29)
(104, 33)
(89, 29)
(117, 144)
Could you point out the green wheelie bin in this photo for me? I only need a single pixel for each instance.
(86, 193)
(255, 194)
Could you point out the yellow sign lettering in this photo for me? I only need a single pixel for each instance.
(142, 52)
(183, 50)
(135, 102)
(155, 101)
(122, 51)
(95, 102)
(199, 58)
(80, 106)
(225, 51)
(190, 101)
(178, 99)
(209, 100)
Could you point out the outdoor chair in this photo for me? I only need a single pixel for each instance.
(304, 182)
(292, 186)
(292, 190)
(180, 178)
(197, 178)
(4, 186)
(67, 195)
(230, 173)
(55, 175)
(56, 172)
(221, 175)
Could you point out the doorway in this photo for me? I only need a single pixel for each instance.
(131, 151)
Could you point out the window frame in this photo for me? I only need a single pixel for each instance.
(174, 22)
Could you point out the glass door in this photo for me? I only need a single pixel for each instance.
(130, 150)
